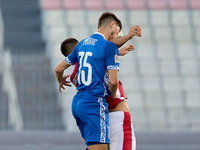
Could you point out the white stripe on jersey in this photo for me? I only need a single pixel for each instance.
(103, 121)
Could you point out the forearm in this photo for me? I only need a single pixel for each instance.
(59, 76)
(121, 51)
(121, 40)
(113, 89)
(59, 69)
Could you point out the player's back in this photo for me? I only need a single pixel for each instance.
(94, 58)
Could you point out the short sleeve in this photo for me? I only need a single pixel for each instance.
(112, 56)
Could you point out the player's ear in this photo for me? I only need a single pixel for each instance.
(112, 24)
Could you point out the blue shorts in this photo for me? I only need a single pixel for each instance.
(91, 114)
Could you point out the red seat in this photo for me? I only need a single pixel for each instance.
(114, 4)
(72, 4)
(157, 4)
(136, 4)
(93, 4)
(50, 4)
(178, 4)
(195, 4)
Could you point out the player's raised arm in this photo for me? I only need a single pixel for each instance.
(134, 31)
(59, 69)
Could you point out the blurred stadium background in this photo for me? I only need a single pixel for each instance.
(161, 77)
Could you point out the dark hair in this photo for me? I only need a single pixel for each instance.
(108, 17)
(68, 45)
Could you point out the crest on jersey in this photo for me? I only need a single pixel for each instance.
(117, 59)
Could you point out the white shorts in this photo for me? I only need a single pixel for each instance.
(121, 131)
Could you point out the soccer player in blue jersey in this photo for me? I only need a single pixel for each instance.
(98, 60)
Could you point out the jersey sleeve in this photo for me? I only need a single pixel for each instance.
(111, 56)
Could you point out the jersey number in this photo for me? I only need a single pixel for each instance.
(83, 63)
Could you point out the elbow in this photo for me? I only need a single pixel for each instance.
(57, 70)
(114, 83)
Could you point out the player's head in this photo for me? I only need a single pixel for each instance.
(110, 19)
(68, 45)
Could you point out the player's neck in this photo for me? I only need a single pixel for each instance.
(105, 32)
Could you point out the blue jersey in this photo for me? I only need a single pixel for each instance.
(95, 56)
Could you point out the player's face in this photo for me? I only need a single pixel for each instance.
(115, 33)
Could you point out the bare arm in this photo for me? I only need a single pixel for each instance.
(134, 31)
(113, 82)
(126, 49)
(121, 40)
(59, 69)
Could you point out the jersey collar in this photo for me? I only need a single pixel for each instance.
(100, 34)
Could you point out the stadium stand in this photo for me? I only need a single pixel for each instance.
(4, 123)
(114, 4)
(165, 51)
(180, 18)
(22, 30)
(162, 86)
(3, 107)
(163, 35)
(79, 15)
(37, 95)
(164, 66)
(93, 5)
(157, 4)
(178, 4)
(93, 14)
(165, 59)
(194, 4)
(139, 17)
(50, 4)
(136, 4)
(72, 4)
(160, 18)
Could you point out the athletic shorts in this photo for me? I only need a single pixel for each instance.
(91, 114)
(121, 131)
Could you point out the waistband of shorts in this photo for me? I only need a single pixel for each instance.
(82, 93)
(120, 113)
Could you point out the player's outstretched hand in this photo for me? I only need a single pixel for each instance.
(126, 49)
(135, 31)
(64, 82)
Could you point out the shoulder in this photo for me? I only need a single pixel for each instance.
(111, 44)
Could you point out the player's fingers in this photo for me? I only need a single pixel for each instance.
(138, 30)
(63, 87)
(131, 46)
(139, 34)
(66, 81)
(126, 52)
(66, 76)
(60, 90)
(138, 26)
(67, 84)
